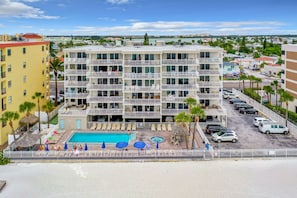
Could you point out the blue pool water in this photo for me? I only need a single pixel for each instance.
(111, 138)
(158, 139)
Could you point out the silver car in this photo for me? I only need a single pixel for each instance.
(225, 137)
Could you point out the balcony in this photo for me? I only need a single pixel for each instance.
(142, 114)
(153, 88)
(150, 102)
(173, 111)
(108, 99)
(104, 61)
(75, 72)
(113, 74)
(76, 95)
(99, 111)
(209, 95)
(209, 72)
(105, 86)
(210, 60)
(76, 83)
(181, 74)
(209, 83)
(142, 75)
(180, 61)
(142, 62)
(181, 87)
(171, 99)
(3, 75)
(3, 91)
(75, 60)
(2, 58)
(4, 107)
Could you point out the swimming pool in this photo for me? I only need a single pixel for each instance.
(98, 138)
(158, 139)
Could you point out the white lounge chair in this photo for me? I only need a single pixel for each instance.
(123, 127)
(108, 126)
(134, 127)
(118, 126)
(159, 127)
(103, 126)
(153, 127)
(169, 127)
(94, 126)
(99, 126)
(164, 127)
(129, 127)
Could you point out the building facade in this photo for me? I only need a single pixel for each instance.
(24, 71)
(289, 78)
(139, 83)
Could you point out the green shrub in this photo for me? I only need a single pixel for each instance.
(3, 160)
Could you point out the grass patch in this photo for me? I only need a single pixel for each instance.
(54, 120)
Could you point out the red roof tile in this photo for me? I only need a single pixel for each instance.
(31, 35)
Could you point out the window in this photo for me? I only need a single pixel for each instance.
(8, 68)
(42, 48)
(8, 52)
(25, 92)
(9, 84)
(24, 50)
(25, 79)
(24, 64)
(9, 99)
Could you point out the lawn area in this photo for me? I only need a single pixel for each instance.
(54, 120)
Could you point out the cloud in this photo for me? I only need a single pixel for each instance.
(106, 19)
(185, 27)
(117, 1)
(10, 8)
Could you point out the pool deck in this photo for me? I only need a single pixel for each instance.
(141, 135)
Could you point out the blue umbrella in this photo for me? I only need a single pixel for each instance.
(139, 145)
(86, 147)
(65, 146)
(157, 145)
(103, 145)
(121, 145)
(46, 147)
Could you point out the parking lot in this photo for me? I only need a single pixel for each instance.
(248, 135)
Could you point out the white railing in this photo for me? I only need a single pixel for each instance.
(133, 88)
(142, 62)
(180, 74)
(208, 95)
(142, 114)
(98, 111)
(173, 111)
(180, 61)
(141, 75)
(142, 101)
(76, 95)
(181, 87)
(75, 60)
(74, 72)
(209, 60)
(104, 74)
(108, 99)
(105, 86)
(209, 72)
(209, 83)
(104, 61)
(76, 83)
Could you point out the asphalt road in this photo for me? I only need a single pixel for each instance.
(249, 136)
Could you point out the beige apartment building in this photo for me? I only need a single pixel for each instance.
(142, 84)
(289, 78)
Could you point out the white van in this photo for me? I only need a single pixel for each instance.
(273, 128)
(227, 95)
(258, 120)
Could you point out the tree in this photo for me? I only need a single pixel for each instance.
(38, 96)
(275, 85)
(280, 92)
(27, 107)
(268, 90)
(286, 97)
(198, 113)
(48, 107)
(56, 65)
(243, 77)
(190, 101)
(252, 79)
(184, 118)
(258, 80)
(146, 40)
(9, 117)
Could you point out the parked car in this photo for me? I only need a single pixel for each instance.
(258, 120)
(273, 128)
(251, 110)
(225, 137)
(52, 99)
(236, 100)
(228, 95)
(213, 128)
(237, 106)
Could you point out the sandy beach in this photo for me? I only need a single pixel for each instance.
(224, 178)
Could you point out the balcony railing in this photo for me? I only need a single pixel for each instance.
(209, 60)
(142, 101)
(141, 75)
(76, 83)
(173, 111)
(3, 90)
(181, 74)
(209, 72)
(2, 58)
(105, 86)
(108, 99)
(105, 61)
(75, 72)
(75, 60)
(179, 61)
(3, 75)
(76, 95)
(181, 87)
(209, 83)
(142, 62)
(104, 74)
(98, 111)
(142, 114)
(169, 99)
(152, 88)
(209, 95)
(4, 107)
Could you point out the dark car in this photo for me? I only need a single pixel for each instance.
(213, 128)
(238, 106)
(236, 100)
(248, 111)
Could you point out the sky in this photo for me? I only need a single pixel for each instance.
(155, 17)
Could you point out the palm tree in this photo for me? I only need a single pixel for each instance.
(190, 101)
(184, 118)
(275, 85)
(258, 80)
(56, 65)
(268, 90)
(251, 78)
(27, 107)
(280, 92)
(286, 97)
(48, 107)
(243, 77)
(38, 96)
(9, 117)
(198, 113)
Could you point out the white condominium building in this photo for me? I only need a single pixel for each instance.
(139, 83)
